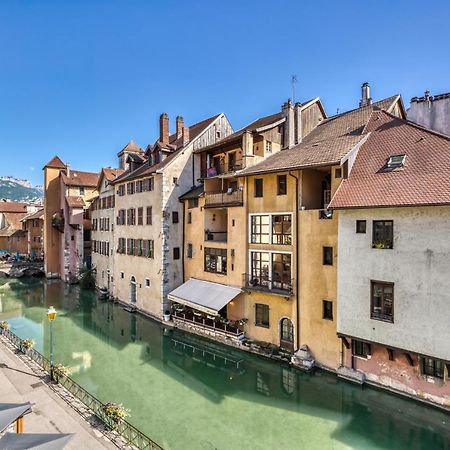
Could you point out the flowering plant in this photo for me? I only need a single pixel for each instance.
(27, 344)
(115, 411)
(4, 325)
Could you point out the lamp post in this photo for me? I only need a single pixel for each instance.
(51, 315)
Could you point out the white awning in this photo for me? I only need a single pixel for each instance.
(204, 296)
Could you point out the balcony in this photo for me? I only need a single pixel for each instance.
(274, 285)
(222, 169)
(228, 198)
(216, 324)
(216, 236)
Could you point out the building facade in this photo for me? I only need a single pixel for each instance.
(67, 226)
(394, 220)
(33, 225)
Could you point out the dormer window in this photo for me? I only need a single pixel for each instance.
(396, 161)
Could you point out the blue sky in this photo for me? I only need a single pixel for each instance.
(81, 78)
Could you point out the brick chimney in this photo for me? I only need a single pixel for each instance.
(365, 95)
(164, 128)
(289, 125)
(180, 126)
(185, 134)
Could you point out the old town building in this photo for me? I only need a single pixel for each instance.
(148, 228)
(13, 239)
(394, 223)
(33, 225)
(67, 226)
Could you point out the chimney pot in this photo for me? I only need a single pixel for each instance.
(185, 135)
(164, 128)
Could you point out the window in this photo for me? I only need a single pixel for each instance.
(139, 247)
(281, 271)
(260, 229)
(122, 275)
(287, 330)
(258, 187)
(192, 203)
(121, 245)
(130, 246)
(147, 185)
(360, 348)
(130, 188)
(149, 248)
(361, 226)
(281, 185)
(140, 220)
(176, 253)
(174, 216)
(175, 181)
(268, 147)
(281, 230)
(260, 266)
(383, 234)
(328, 256)
(396, 161)
(327, 309)
(432, 367)
(147, 282)
(121, 190)
(382, 301)
(189, 217)
(81, 190)
(261, 315)
(131, 216)
(149, 215)
(189, 251)
(338, 173)
(121, 217)
(232, 161)
(216, 260)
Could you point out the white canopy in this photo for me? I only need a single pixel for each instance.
(204, 296)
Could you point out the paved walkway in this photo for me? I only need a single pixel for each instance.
(51, 414)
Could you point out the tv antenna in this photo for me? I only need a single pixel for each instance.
(294, 80)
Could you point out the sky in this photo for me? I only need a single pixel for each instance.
(81, 78)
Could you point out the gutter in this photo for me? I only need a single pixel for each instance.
(297, 284)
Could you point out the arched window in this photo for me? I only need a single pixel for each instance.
(287, 330)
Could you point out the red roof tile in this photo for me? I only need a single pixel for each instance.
(75, 201)
(13, 207)
(79, 178)
(56, 162)
(423, 179)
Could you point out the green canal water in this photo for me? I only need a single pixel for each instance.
(189, 393)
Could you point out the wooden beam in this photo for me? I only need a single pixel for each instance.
(19, 425)
(390, 353)
(409, 359)
(346, 342)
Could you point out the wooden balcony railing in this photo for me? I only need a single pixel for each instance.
(228, 198)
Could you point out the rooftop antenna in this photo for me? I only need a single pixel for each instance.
(294, 80)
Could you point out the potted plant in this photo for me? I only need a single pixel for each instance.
(3, 326)
(166, 315)
(378, 244)
(114, 413)
(60, 371)
(26, 345)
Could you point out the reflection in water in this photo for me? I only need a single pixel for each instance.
(190, 393)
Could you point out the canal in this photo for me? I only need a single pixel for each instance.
(188, 393)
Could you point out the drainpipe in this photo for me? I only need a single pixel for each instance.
(183, 241)
(297, 290)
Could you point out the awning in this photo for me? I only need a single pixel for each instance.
(20, 441)
(204, 296)
(10, 412)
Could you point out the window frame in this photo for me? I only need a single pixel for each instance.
(252, 225)
(383, 243)
(362, 230)
(258, 187)
(324, 255)
(325, 310)
(436, 369)
(262, 312)
(211, 256)
(361, 349)
(282, 186)
(382, 316)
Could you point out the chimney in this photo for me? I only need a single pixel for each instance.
(164, 128)
(180, 126)
(68, 169)
(289, 125)
(365, 95)
(298, 123)
(185, 135)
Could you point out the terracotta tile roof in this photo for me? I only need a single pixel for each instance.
(258, 123)
(194, 131)
(75, 201)
(79, 178)
(112, 174)
(327, 144)
(131, 147)
(56, 162)
(423, 179)
(36, 215)
(13, 207)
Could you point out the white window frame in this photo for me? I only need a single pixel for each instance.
(255, 250)
(271, 214)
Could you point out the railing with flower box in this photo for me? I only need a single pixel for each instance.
(129, 433)
(228, 327)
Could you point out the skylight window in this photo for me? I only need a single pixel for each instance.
(396, 161)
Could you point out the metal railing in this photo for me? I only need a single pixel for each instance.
(222, 169)
(263, 283)
(223, 198)
(131, 434)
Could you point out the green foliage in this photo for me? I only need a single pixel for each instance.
(4, 325)
(27, 344)
(61, 371)
(115, 411)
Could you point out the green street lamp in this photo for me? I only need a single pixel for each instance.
(51, 315)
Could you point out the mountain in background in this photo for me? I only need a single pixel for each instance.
(18, 190)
